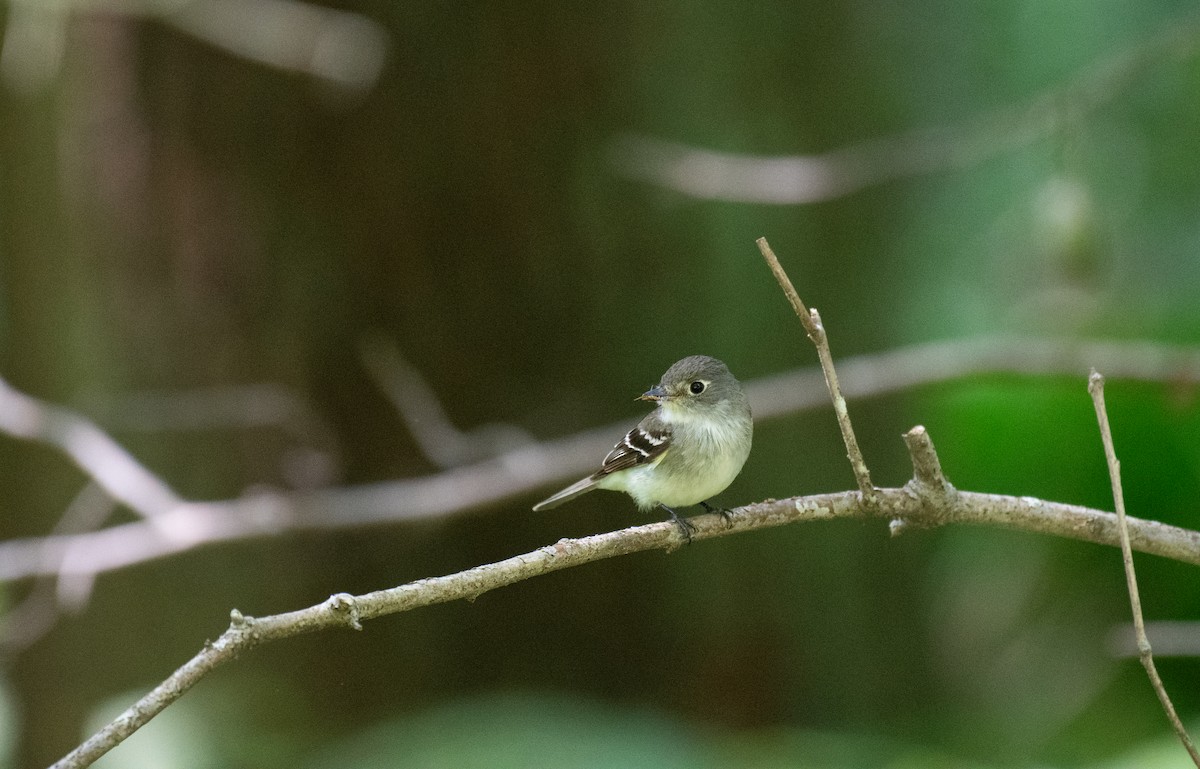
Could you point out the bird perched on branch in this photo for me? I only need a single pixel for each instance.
(683, 453)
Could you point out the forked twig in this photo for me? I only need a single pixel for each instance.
(1096, 388)
(811, 320)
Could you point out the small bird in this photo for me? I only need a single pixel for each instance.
(683, 453)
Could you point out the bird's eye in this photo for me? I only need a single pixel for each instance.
(696, 387)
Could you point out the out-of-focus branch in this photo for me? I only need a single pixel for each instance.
(1020, 513)
(708, 174)
(30, 619)
(1172, 638)
(90, 448)
(418, 405)
(928, 500)
(526, 469)
(343, 49)
(212, 408)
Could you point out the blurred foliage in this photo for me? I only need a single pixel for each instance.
(175, 218)
(221, 728)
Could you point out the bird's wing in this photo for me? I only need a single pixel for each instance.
(644, 444)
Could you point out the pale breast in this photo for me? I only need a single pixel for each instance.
(716, 457)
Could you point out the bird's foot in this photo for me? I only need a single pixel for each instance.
(686, 528)
(726, 513)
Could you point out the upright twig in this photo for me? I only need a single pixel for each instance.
(1096, 388)
(811, 320)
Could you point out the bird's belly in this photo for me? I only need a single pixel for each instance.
(673, 486)
(711, 480)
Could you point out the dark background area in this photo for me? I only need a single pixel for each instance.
(178, 218)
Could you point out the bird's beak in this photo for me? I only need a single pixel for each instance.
(655, 393)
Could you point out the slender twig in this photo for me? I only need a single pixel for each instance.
(811, 320)
(418, 405)
(54, 593)
(1172, 638)
(1018, 513)
(89, 447)
(790, 180)
(524, 470)
(928, 500)
(1096, 388)
(347, 611)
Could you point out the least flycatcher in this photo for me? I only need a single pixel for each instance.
(686, 451)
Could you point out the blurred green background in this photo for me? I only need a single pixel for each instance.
(185, 206)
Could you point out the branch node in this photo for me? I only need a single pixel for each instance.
(928, 484)
(927, 468)
(238, 621)
(346, 606)
(816, 331)
(897, 526)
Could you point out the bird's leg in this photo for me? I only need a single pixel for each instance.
(685, 526)
(726, 513)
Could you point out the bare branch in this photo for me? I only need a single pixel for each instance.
(708, 174)
(1021, 513)
(343, 49)
(928, 500)
(527, 469)
(1096, 388)
(1172, 638)
(89, 447)
(210, 408)
(29, 620)
(418, 405)
(811, 321)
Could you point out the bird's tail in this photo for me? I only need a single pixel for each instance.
(567, 494)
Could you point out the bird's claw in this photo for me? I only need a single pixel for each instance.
(725, 513)
(686, 527)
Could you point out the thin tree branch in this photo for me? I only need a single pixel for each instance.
(527, 469)
(418, 405)
(811, 321)
(928, 500)
(1096, 388)
(1172, 638)
(55, 593)
(210, 408)
(343, 49)
(708, 174)
(90, 448)
(1018, 513)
